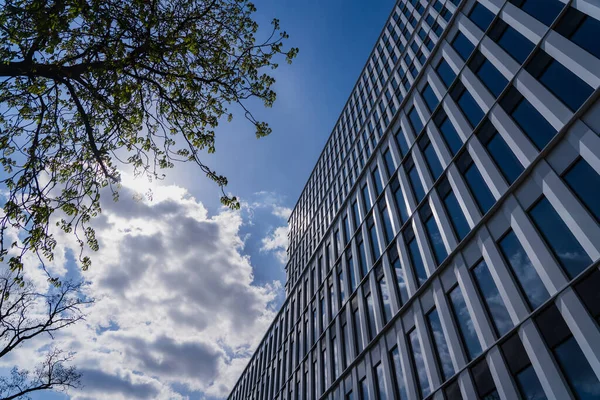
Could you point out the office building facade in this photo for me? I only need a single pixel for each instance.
(447, 243)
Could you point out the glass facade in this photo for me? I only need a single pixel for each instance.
(446, 243)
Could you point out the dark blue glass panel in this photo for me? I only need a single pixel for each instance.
(399, 377)
(417, 354)
(451, 136)
(415, 121)
(374, 242)
(529, 280)
(401, 141)
(515, 44)
(463, 46)
(446, 73)
(430, 98)
(440, 343)
(416, 184)
(493, 301)
(459, 222)
(465, 323)
(565, 85)
(566, 248)
(586, 36)
(387, 224)
(484, 198)
(432, 160)
(377, 180)
(533, 124)
(481, 16)
(417, 261)
(389, 163)
(509, 164)
(397, 266)
(529, 385)
(435, 238)
(401, 205)
(364, 267)
(492, 78)
(366, 197)
(585, 182)
(470, 108)
(577, 370)
(544, 11)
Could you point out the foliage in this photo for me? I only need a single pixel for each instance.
(87, 86)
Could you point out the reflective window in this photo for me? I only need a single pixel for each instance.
(559, 237)
(401, 141)
(572, 361)
(430, 98)
(415, 256)
(419, 363)
(505, 159)
(515, 44)
(468, 105)
(457, 218)
(350, 263)
(342, 291)
(389, 163)
(374, 242)
(533, 124)
(544, 11)
(357, 330)
(346, 225)
(377, 180)
(366, 197)
(581, 29)
(521, 369)
(433, 161)
(355, 214)
(446, 72)
(482, 194)
(386, 301)
(441, 346)
(481, 16)
(364, 267)
(433, 234)
(372, 326)
(463, 46)
(491, 297)
(465, 323)
(529, 281)
(415, 181)
(452, 391)
(397, 374)
(400, 277)
(415, 120)
(364, 389)
(399, 200)
(336, 367)
(484, 383)
(453, 141)
(380, 388)
(585, 182)
(387, 223)
(587, 290)
(489, 75)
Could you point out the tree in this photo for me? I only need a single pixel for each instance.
(26, 314)
(88, 86)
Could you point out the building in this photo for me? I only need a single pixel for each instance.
(447, 243)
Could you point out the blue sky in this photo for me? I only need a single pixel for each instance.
(182, 302)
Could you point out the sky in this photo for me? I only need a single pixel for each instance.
(184, 288)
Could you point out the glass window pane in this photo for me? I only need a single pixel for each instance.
(586, 35)
(389, 163)
(459, 222)
(559, 237)
(492, 299)
(415, 182)
(463, 46)
(387, 225)
(529, 280)
(400, 279)
(430, 98)
(470, 108)
(435, 238)
(417, 261)
(577, 370)
(374, 242)
(567, 86)
(451, 136)
(401, 141)
(433, 161)
(446, 73)
(399, 198)
(585, 182)
(377, 181)
(385, 299)
(529, 385)
(415, 120)
(465, 323)
(533, 124)
(364, 389)
(481, 16)
(441, 345)
(492, 78)
(366, 197)
(398, 377)
(417, 354)
(484, 198)
(371, 317)
(509, 164)
(515, 44)
(380, 383)
(544, 11)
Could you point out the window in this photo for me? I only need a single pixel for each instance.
(364, 389)
(457, 218)
(373, 236)
(521, 369)
(433, 234)
(446, 72)
(402, 144)
(377, 182)
(465, 323)
(441, 346)
(415, 121)
(488, 74)
(357, 329)
(384, 292)
(467, 104)
(364, 267)
(346, 225)
(505, 159)
(415, 181)
(544, 11)
(584, 181)
(372, 326)
(366, 197)
(415, 255)
(491, 297)
(530, 282)
(588, 291)
(336, 366)
(397, 374)
(581, 29)
(481, 16)
(515, 44)
(399, 272)
(419, 363)
(390, 166)
(399, 200)
(533, 124)
(453, 141)
(564, 245)
(484, 383)
(342, 291)
(483, 197)
(387, 223)
(350, 263)
(433, 161)
(430, 98)
(380, 388)
(572, 361)
(567, 86)
(463, 46)
(452, 391)
(355, 214)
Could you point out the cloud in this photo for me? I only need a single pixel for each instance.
(277, 242)
(176, 303)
